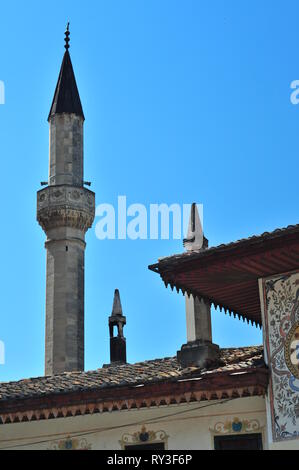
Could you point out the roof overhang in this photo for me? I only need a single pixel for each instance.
(227, 276)
(213, 386)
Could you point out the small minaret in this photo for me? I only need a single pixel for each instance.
(118, 352)
(199, 350)
(195, 238)
(65, 211)
(198, 313)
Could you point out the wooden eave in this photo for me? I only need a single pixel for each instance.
(227, 276)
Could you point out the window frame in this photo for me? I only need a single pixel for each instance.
(244, 436)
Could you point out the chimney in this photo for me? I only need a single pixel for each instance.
(118, 354)
(199, 351)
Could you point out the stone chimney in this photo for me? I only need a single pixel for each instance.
(118, 354)
(199, 350)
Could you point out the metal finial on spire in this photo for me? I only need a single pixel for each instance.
(66, 98)
(67, 36)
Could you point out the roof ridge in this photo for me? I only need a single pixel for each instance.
(263, 235)
(51, 378)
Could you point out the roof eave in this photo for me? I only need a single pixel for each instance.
(225, 385)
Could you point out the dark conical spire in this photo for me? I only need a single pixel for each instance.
(66, 97)
(117, 308)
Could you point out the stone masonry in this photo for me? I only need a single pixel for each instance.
(65, 211)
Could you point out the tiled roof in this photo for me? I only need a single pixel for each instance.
(226, 276)
(254, 239)
(148, 372)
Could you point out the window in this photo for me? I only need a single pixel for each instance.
(239, 442)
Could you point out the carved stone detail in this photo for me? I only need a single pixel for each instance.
(65, 206)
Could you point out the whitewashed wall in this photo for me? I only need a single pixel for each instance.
(187, 427)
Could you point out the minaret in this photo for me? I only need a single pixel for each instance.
(65, 211)
(117, 343)
(199, 350)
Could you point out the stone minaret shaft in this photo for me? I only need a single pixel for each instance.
(65, 210)
(199, 350)
(198, 312)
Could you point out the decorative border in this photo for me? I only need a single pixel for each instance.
(294, 370)
(144, 437)
(255, 384)
(278, 432)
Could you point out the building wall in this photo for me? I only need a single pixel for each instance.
(185, 426)
(280, 309)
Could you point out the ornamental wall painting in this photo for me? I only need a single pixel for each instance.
(144, 436)
(237, 425)
(281, 302)
(70, 443)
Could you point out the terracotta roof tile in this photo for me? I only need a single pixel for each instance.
(167, 369)
(225, 246)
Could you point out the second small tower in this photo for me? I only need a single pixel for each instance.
(118, 353)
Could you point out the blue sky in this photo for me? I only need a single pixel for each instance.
(184, 101)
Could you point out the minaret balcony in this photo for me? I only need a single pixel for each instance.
(71, 206)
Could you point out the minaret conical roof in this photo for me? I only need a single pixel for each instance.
(66, 97)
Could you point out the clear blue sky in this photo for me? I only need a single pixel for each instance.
(184, 101)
